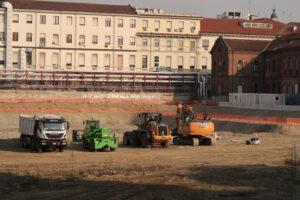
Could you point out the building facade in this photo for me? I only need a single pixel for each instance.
(237, 66)
(256, 66)
(45, 35)
(168, 42)
(212, 29)
(67, 36)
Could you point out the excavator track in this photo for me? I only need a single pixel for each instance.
(183, 141)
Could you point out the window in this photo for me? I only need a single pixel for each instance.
(131, 62)
(68, 60)
(180, 26)
(81, 60)
(42, 19)
(56, 20)
(107, 22)
(55, 59)
(55, 40)
(156, 25)
(69, 20)
(15, 36)
(120, 62)
(120, 23)
(82, 21)
(107, 40)
(193, 26)
(144, 61)
(2, 36)
(81, 39)
(192, 63)
(95, 39)
(180, 45)
(15, 18)
(120, 40)
(180, 63)
(43, 39)
(156, 62)
(169, 26)
(193, 46)
(168, 62)
(132, 23)
(69, 38)
(156, 44)
(95, 21)
(28, 58)
(132, 41)
(107, 60)
(205, 43)
(145, 25)
(255, 66)
(204, 62)
(15, 59)
(145, 43)
(42, 60)
(94, 60)
(2, 18)
(2, 61)
(29, 19)
(169, 45)
(239, 65)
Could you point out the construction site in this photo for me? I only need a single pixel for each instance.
(229, 169)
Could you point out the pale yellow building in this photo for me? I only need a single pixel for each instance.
(168, 42)
(67, 36)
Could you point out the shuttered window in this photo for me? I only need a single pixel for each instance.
(81, 60)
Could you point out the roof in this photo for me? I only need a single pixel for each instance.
(73, 7)
(293, 27)
(245, 45)
(287, 41)
(232, 26)
(171, 15)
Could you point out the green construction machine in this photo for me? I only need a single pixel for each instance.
(95, 138)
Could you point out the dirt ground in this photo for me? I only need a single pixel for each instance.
(229, 170)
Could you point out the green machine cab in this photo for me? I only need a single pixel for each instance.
(96, 138)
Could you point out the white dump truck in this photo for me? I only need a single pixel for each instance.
(43, 132)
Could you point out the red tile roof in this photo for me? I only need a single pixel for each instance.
(246, 45)
(232, 26)
(286, 41)
(73, 7)
(290, 28)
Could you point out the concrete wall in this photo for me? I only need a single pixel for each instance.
(35, 94)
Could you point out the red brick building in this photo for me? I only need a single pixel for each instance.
(257, 66)
(237, 66)
(282, 65)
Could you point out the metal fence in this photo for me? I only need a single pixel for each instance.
(101, 81)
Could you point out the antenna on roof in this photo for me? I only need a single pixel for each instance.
(249, 2)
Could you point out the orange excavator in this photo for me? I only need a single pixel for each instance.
(191, 130)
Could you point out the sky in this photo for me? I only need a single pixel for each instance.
(287, 10)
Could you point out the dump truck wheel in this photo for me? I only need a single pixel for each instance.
(38, 148)
(22, 141)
